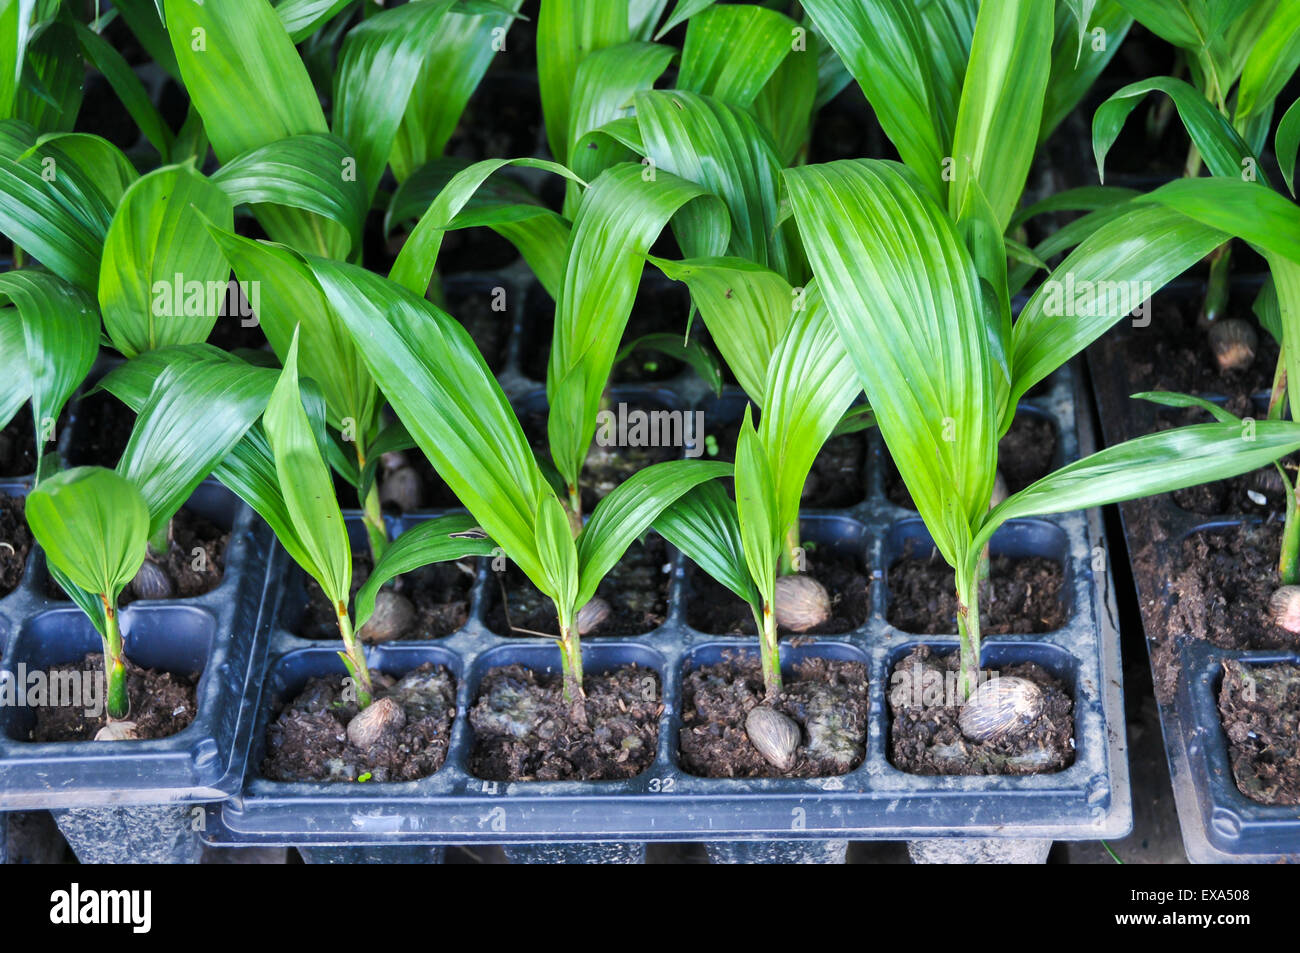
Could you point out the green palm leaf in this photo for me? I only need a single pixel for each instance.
(892, 268)
(621, 215)
(57, 330)
(156, 250)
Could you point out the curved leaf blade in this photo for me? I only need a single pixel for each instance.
(432, 541)
(93, 525)
(630, 509)
(163, 278)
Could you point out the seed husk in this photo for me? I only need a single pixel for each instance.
(151, 582)
(801, 603)
(592, 615)
(118, 731)
(393, 617)
(773, 735)
(400, 487)
(999, 708)
(999, 490)
(370, 725)
(1233, 342)
(1284, 608)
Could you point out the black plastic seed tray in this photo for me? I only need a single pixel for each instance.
(1088, 800)
(1220, 824)
(219, 634)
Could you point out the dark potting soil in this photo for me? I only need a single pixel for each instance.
(827, 698)
(524, 730)
(838, 475)
(472, 307)
(308, 740)
(606, 467)
(1260, 708)
(434, 492)
(924, 737)
(15, 542)
(1174, 354)
(502, 118)
(636, 590)
(18, 445)
(659, 308)
(103, 428)
(714, 609)
(1253, 494)
(439, 593)
(102, 114)
(1258, 493)
(1025, 454)
(230, 333)
(195, 563)
(1027, 596)
(1223, 586)
(162, 704)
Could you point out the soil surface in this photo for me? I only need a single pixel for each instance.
(1025, 454)
(1173, 354)
(308, 739)
(162, 704)
(18, 445)
(1223, 586)
(15, 542)
(925, 738)
(715, 609)
(103, 428)
(605, 467)
(472, 307)
(1027, 596)
(828, 699)
(838, 475)
(440, 594)
(1253, 494)
(434, 492)
(190, 532)
(636, 590)
(524, 730)
(659, 308)
(1260, 708)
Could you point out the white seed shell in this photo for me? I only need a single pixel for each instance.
(368, 726)
(801, 603)
(151, 582)
(774, 736)
(393, 617)
(118, 731)
(999, 708)
(1284, 608)
(592, 615)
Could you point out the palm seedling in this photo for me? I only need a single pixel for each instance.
(966, 91)
(107, 241)
(402, 80)
(445, 395)
(943, 371)
(315, 535)
(1239, 57)
(279, 469)
(809, 385)
(1229, 150)
(94, 523)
